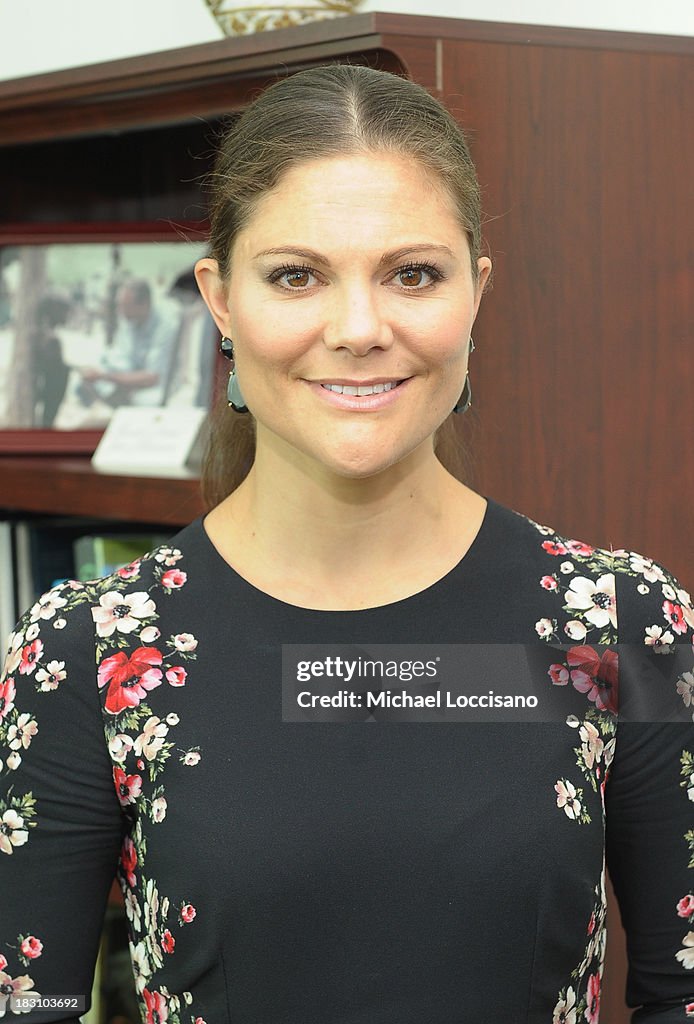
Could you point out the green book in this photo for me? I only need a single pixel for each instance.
(101, 554)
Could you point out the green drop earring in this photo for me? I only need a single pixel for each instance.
(234, 396)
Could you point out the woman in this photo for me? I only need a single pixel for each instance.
(279, 860)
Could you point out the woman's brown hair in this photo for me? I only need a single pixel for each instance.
(336, 109)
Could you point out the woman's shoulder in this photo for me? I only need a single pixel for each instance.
(607, 595)
(73, 617)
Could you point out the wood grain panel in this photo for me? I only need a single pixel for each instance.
(584, 365)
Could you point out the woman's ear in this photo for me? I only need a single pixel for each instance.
(484, 269)
(213, 292)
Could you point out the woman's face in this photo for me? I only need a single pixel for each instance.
(353, 270)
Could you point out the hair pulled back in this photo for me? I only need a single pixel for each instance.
(332, 110)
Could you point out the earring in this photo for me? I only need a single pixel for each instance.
(234, 395)
(465, 400)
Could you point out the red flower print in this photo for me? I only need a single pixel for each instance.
(685, 907)
(673, 613)
(128, 858)
(554, 547)
(689, 1009)
(559, 674)
(128, 571)
(157, 1010)
(30, 656)
(199, 1020)
(172, 579)
(3, 962)
(129, 678)
(176, 675)
(593, 999)
(31, 947)
(187, 912)
(8, 692)
(595, 676)
(591, 924)
(549, 582)
(128, 787)
(168, 942)
(579, 547)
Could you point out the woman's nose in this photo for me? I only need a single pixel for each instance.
(356, 322)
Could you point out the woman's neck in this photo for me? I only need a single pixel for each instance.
(308, 537)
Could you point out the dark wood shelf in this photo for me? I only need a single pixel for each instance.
(71, 486)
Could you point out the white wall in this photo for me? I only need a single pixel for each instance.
(45, 35)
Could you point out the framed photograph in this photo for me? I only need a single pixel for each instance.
(93, 318)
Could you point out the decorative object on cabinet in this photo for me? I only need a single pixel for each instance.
(237, 19)
(93, 319)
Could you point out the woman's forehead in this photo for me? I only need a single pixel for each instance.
(354, 195)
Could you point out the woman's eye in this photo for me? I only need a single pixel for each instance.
(292, 278)
(418, 276)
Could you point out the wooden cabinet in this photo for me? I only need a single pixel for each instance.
(583, 371)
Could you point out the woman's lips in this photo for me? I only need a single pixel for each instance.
(359, 403)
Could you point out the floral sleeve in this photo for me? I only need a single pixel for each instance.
(650, 792)
(60, 820)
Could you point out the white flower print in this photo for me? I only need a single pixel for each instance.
(172, 719)
(47, 605)
(151, 905)
(14, 986)
(159, 812)
(119, 747)
(168, 556)
(14, 761)
(685, 688)
(544, 627)
(21, 733)
(596, 599)
(608, 753)
(185, 642)
(593, 744)
(645, 567)
(12, 831)
(659, 639)
(141, 968)
(566, 567)
(191, 758)
(60, 624)
(132, 909)
(686, 955)
(575, 630)
(151, 739)
(32, 632)
(14, 654)
(149, 634)
(52, 675)
(122, 612)
(565, 1010)
(567, 798)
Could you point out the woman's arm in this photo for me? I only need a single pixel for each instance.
(61, 824)
(649, 798)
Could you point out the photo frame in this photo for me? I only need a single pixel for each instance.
(93, 318)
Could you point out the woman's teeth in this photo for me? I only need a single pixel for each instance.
(373, 389)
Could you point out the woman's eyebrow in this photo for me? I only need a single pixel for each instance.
(388, 257)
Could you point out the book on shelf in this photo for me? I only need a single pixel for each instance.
(101, 554)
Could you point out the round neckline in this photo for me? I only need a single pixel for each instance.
(465, 564)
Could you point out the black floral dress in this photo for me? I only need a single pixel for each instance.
(325, 872)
